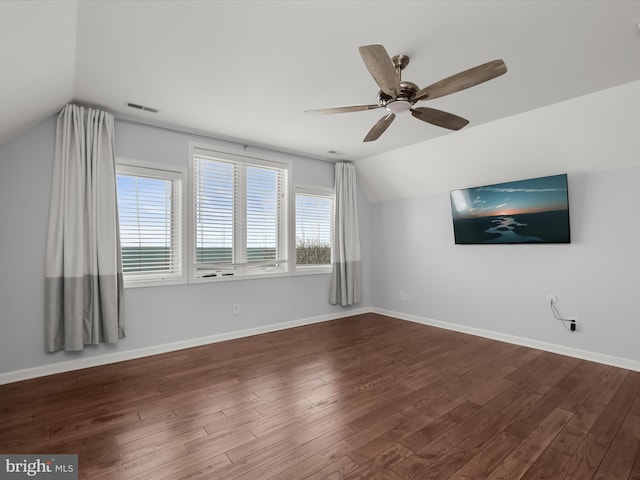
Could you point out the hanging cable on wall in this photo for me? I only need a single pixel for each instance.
(570, 323)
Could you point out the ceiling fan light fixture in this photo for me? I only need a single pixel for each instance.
(398, 106)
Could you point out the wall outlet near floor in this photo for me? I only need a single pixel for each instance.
(236, 309)
(404, 296)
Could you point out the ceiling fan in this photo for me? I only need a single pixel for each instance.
(397, 95)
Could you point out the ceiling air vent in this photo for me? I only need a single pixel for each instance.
(142, 107)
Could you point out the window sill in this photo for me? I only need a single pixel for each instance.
(216, 277)
(313, 270)
(154, 283)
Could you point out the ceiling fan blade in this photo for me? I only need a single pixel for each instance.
(379, 128)
(346, 109)
(439, 118)
(381, 68)
(462, 80)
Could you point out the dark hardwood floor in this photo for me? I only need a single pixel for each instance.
(366, 397)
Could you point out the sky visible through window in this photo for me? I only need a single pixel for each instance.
(313, 217)
(237, 211)
(147, 224)
(144, 208)
(146, 215)
(262, 207)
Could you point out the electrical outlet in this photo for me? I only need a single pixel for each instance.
(551, 298)
(236, 309)
(573, 324)
(404, 296)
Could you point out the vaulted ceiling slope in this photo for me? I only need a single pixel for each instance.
(594, 132)
(247, 70)
(37, 60)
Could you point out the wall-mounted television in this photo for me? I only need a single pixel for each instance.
(525, 211)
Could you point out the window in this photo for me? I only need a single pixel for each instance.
(150, 209)
(239, 215)
(314, 232)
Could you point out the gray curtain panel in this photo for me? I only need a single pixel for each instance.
(346, 280)
(83, 268)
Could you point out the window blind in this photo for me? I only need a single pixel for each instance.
(314, 215)
(263, 205)
(239, 213)
(149, 208)
(214, 211)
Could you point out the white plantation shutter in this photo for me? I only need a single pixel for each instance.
(150, 213)
(314, 219)
(240, 217)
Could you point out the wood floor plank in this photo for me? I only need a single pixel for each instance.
(619, 459)
(474, 433)
(525, 454)
(337, 470)
(436, 460)
(591, 376)
(343, 448)
(633, 417)
(157, 442)
(635, 470)
(217, 443)
(439, 427)
(136, 467)
(487, 392)
(291, 464)
(586, 459)
(406, 423)
(256, 461)
(363, 397)
(617, 408)
(190, 466)
(479, 467)
(382, 465)
(586, 411)
(543, 407)
(557, 454)
(159, 425)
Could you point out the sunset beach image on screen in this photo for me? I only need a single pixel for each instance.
(535, 210)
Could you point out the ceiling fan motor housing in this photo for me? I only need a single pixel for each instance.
(403, 102)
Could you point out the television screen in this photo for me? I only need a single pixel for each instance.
(526, 211)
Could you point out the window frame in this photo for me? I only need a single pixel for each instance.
(227, 272)
(317, 192)
(162, 171)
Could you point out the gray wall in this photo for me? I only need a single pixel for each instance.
(502, 288)
(407, 246)
(154, 315)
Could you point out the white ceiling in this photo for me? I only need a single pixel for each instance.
(247, 70)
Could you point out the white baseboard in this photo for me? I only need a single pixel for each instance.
(70, 365)
(525, 342)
